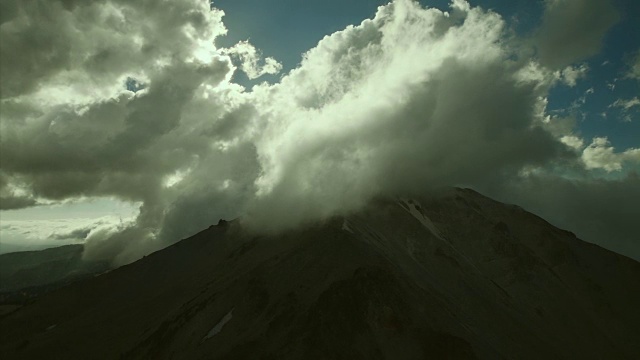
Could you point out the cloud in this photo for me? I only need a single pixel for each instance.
(634, 68)
(571, 74)
(573, 30)
(90, 44)
(12, 202)
(418, 93)
(13, 197)
(76, 234)
(121, 244)
(601, 155)
(249, 57)
(628, 107)
(409, 100)
(572, 141)
(71, 128)
(53, 232)
(626, 104)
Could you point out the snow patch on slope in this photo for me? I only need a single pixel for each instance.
(345, 226)
(411, 206)
(216, 329)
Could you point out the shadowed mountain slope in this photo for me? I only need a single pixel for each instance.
(453, 276)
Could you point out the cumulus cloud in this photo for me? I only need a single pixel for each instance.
(249, 58)
(571, 74)
(573, 30)
(573, 141)
(433, 98)
(428, 96)
(71, 128)
(86, 45)
(601, 155)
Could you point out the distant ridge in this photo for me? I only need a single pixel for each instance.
(25, 275)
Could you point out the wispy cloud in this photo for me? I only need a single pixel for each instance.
(628, 107)
(626, 104)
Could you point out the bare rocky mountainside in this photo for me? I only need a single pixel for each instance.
(453, 276)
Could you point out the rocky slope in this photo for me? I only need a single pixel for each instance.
(453, 276)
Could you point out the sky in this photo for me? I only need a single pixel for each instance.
(128, 125)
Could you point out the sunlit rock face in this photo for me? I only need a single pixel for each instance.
(450, 275)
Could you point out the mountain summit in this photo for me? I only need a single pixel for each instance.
(453, 276)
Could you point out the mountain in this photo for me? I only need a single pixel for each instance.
(26, 274)
(451, 276)
(6, 247)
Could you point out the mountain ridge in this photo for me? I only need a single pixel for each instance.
(454, 275)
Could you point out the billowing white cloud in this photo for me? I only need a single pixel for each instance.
(411, 99)
(572, 141)
(70, 128)
(249, 58)
(427, 96)
(72, 221)
(601, 155)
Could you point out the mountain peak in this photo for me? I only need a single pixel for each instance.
(455, 275)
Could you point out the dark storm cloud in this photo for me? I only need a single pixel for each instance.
(9, 199)
(97, 40)
(113, 147)
(16, 202)
(573, 30)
